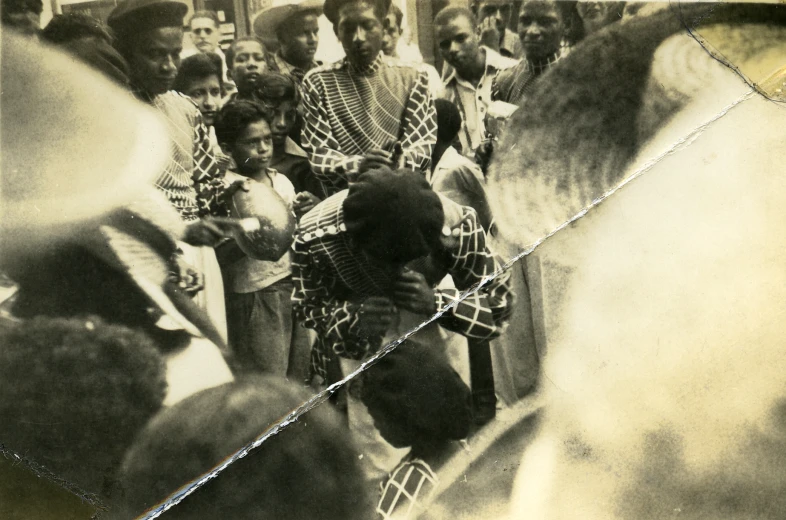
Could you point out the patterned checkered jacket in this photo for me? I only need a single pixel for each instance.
(332, 278)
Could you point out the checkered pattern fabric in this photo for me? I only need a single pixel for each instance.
(514, 84)
(192, 180)
(332, 278)
(408, 489)
(350, 111)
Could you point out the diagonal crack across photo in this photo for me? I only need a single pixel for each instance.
(395, 259)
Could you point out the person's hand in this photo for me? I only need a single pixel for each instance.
(204, 233)
(376, 158)
(304, 202)
(483, 154)
(375, 316)
(186, 276)
(229, 191)
(411, 292)
(488, 33)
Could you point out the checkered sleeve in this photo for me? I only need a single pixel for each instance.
(316, 307)
(420, 126)
(329, 165)
(208, 176)
(483, 314)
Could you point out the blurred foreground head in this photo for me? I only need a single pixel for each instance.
(661, 308)
(307, 469)
(74, 394)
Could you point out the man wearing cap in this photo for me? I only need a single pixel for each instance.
(365, 267)
(367, 109)
(149, 35)
(294, 25)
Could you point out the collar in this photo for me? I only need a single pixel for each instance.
(541, 66)
(368, 70)
(494, 63)
(447, 159)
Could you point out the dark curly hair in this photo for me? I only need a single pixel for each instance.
(273, 88)
(196, 67)
(235, 117)
(75, 392)
(64, 28)
(309, 469)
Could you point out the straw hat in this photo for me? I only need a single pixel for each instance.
(266, 22)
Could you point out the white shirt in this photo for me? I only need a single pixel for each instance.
(473, 101)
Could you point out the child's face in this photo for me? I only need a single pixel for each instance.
(253, 149)
(206, 93)
(248, 64)
(283, 122)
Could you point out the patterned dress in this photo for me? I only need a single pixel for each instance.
(332, 278)
(349, 111)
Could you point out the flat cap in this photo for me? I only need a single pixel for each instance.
(141, 15)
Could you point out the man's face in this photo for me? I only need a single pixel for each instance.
(248, 64)
(360, 33)
(299, 39)
(499, 12)
(283, 121)
(458, 43)
(155, 58)
(540, 29)
(206, 93)
(597, 15)
(204, 34)
(391, 34)
(253, 148)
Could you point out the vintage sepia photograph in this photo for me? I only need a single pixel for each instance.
(392, 259)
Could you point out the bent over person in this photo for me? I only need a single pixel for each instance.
(367, 262)
(367, 108)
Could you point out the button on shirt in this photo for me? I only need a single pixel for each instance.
(472, 101)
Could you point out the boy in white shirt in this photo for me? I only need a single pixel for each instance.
(262, 334)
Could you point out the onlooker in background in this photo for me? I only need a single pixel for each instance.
(246, 58)
(199, 77)
(543, 27)
(453, 175)
(418, 401)
(86, 38)
(74, 393)
(294, 25)
(307, 470)
(149, 35)
(280, 94)
(597, 15)
(263, 335)
(493, 18)
(470, 72)
(390, 43)
(361, 110)
(205, 34)
(22, 15)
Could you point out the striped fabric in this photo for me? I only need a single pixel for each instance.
(192, 181)
(514, 84)
(332, 278)
(408, 489)
(349, 111)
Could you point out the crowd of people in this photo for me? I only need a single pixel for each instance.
(276, 222)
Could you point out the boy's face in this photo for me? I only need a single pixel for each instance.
(206, 93)
(391, 35)
(360, 33)
(155, 58)
(299, 45)
(283, 122)
(248, 64)
(204, 34)
(253, 148)
(540, 29)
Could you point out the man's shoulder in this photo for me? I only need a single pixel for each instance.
(498, 61)
(174, 102)
(325, 68)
